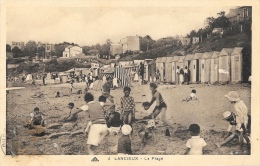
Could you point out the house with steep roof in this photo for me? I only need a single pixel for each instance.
(71, 51)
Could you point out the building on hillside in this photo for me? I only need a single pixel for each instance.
(71, 51)
(130, 43)
(116, 49)
(49, 51)
(20, 45)
(239, 14)
(195, 40)
(218, 30)
(185, 41)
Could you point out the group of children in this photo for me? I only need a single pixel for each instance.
(104, 119)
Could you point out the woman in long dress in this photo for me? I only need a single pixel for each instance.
(181, 76)
(136, 79)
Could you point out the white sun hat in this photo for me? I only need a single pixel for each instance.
(233, 96)
(126, 129)
(227, 114)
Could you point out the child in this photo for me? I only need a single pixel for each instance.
(124, 142)
(191, 97)
(127, 105)
(234, 124)
(98, 129)
(147, 131)
(57, 94)
(195, 144)
(72, 116)
(36, 118)
(241, 110)
(71, 85)
(114, 121)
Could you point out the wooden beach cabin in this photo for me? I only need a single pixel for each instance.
(214, 67)
(189, 63)
(240, 64)
(151, 69)
(162, 68)
(146, 70)
(196, 71)
(158, 65)
(205, 67)
(225, 65)
(168, 71)
(175, 60)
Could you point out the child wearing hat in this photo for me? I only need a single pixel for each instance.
(124, 142)
(195, 144)
(234, 129)
(192, 96)
(241, 110)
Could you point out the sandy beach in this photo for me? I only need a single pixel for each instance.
(207, 112)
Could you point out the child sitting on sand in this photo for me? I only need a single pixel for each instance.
(72, 115)
(57, 94)
(147, 131)
(195, 144)
(124, 142)
(36, 118)
(192, 96)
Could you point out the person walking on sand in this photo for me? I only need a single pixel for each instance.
(160, 107)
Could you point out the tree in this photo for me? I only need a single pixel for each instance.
(30, 48)
(209, 21)
(8, 48)
(59, 48)
(85, 49)
(17, 52)
(192, 34)
(41, 51)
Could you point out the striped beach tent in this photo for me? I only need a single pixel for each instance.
(123, 74)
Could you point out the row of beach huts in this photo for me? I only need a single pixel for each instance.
(228, 65)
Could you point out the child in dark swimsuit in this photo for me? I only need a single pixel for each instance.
(160, 107)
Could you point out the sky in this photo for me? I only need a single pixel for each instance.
(92, 25)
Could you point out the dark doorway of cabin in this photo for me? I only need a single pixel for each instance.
(197, 70)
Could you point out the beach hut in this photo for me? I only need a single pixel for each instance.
(188, 61)
(174, 67)
(162, 68)
(63, 77)
(214, 67)
(196, 71)
(146, 69)
(180, 62)
(158, 64)
(168, 71)
(240, 65)
(205, 67)
(225, 65)
(151, 69)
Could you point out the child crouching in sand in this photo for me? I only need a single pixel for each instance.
(192, 96)
(124, 142)
(195, 144)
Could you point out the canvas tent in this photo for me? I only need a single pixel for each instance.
(225, 65)
(168, 71)
(205, 67)
(196, 74)
(214, 67)
(189, 63)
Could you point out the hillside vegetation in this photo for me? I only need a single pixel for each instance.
(213, 43)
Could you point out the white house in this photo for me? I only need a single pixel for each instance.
(71, 51)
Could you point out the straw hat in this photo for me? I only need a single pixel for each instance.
(227, 114)
(233, 96)
(126, 129)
